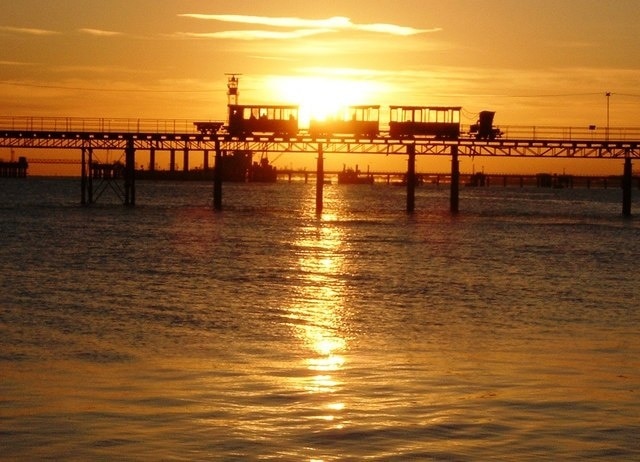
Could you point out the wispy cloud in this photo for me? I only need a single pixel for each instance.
(393, 29)
(256, 34)
(301, 27)
(15, 63)
(28, 31)
(99, 32)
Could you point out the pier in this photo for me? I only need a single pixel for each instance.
(14, 169)
(87, 136)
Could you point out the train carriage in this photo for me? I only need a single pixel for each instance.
(278, 120)
(361, 120)
(442, 122)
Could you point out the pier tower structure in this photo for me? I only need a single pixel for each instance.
(232, 88)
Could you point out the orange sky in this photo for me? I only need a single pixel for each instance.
(534, 62)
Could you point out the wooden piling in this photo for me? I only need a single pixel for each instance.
(319, 180)
(217, 179)
(129, 174)
(455, 180)
(83, 178)
(411, 178)
(627, 182)
(90, 176)
(152, 159)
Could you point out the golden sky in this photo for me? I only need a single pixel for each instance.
(542, 62)
(536, 62)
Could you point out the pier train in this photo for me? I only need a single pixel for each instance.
(439, 122)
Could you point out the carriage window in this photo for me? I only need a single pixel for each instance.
(364, 114)
(444, 115)
(415, 115)
(252, 113)
(288, 114)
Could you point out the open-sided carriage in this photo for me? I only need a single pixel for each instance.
(363, 120)
(278, 120)
(442, 122)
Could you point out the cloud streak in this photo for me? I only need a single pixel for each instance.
(99, 32)
(256, 34)
(28, 31)
(15, 63)
(301, 27)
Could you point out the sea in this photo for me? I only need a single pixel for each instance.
(265, 331)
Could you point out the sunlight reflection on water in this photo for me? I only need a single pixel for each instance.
(167, 331)
(318, 309)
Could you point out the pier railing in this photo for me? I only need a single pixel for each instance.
(186, 126)
(571, 133)
(97, 125)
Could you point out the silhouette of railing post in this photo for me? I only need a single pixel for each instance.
(455, 180)
(319, 180)
(411, 178)
(627, 181)
(217, 178)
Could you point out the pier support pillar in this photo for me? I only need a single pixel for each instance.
(90, 176)
(185, 160)
(83, 178)
(172, 160)
(626, 187)
(152, 159)
(319, 180)
(455, 180)
(205, 159)
(86, 177)
(411, 178)
(130, 174)
(217, 179)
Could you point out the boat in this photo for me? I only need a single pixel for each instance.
(263, 171)
(351, 176)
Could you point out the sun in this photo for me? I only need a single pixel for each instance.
(320, 97)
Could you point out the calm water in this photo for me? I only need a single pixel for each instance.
(170, 332)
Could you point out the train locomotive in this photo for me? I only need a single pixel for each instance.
(483, 129)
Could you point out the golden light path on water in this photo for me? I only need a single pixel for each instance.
(318, 314)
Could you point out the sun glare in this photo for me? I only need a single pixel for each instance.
(323, 97)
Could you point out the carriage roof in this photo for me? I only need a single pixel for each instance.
(431, 108)
(265, 106)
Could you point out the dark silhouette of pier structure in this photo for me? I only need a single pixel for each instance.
(14, 169)
(87, 136)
